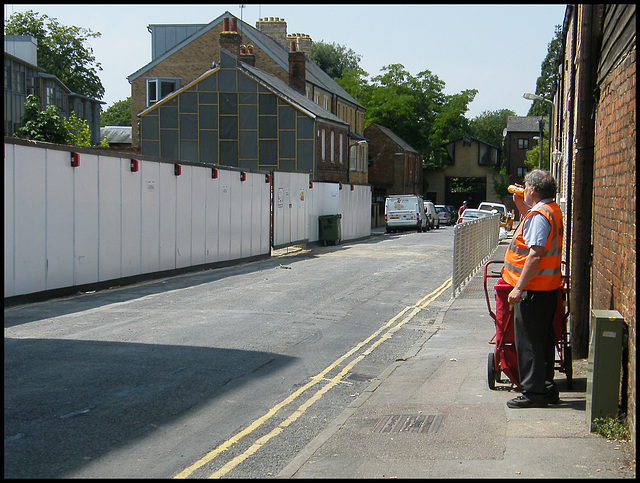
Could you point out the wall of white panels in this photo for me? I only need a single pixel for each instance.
(68, 226)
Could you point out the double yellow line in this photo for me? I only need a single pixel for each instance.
(389, 329)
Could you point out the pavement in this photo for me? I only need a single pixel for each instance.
(431, 414)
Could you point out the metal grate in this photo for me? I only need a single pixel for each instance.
(408, 423)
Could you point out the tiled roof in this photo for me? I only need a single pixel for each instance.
(523, 123)
(277, 52)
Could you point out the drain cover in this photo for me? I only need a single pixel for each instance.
(410, 423)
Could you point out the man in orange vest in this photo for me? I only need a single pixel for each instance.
(532, 266)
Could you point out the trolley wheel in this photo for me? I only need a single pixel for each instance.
(491, 372)
(568, 367)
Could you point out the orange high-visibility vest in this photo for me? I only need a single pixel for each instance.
(548, 275)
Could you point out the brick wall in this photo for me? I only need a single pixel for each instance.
(614, 207)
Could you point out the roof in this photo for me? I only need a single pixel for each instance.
(269, 81)
(284, 90)
(277, 52)
(470, 139)
(523, 123)
(116, 134)
(395, 138)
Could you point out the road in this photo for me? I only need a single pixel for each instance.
(222, 373)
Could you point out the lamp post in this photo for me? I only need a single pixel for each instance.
(536, 97)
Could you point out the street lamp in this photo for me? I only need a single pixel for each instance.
(535, 97)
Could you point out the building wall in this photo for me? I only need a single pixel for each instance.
(614, 206)
(392, 173)
(597, 191)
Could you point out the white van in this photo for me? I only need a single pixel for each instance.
(404, 212)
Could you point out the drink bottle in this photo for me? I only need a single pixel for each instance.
(516, 189)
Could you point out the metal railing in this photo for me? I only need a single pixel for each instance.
(473, 243)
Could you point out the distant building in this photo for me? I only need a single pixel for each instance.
(23, 77)
(395, 167)
(183, 53)
(470, 175)
(235, 114)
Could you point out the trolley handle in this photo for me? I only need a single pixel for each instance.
(486, 292)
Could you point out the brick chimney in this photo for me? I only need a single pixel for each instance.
(229, 37)
(303, 43)
(247, 56)
(276, 28)
(297, 72)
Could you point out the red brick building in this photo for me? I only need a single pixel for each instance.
(595, 127)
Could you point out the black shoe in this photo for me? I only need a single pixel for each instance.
(525, 402)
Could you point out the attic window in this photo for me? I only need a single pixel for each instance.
(160, 87)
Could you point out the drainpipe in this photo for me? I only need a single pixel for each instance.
(581, 258)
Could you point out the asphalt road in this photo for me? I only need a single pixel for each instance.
(224, 373)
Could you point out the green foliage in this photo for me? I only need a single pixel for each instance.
(118, 114)
(334, 59)
(490, 125)
(417, 110)
(610, 428)
(61, 51)
(532, 156)
(48, 125)
(42, 125)
(79, 134)
(548, 80)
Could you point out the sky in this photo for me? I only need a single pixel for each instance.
(496, 49)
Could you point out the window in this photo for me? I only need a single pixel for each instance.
(521, 172)
(322, 143)
(333, 138)
(159, 88)
(18, 82)
(341, 149)
(523, 143)
(353, 156)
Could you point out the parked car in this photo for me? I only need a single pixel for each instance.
(454, 212)
(432, 214)
(506, 218)
(445, 215)
(473, 214)
(405, 212)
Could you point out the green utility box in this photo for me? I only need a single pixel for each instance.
(604, 365)
(329, 229)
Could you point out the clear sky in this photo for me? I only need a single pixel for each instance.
(496, 49)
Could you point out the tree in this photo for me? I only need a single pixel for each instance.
(61, 51)
(489, 126)
(417, 110)
(118, 114)
(78, 129)
(334, 59)
(42, 125)
(547, 82)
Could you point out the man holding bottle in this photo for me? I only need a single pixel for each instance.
(532, 266)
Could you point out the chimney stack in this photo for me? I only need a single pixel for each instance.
(247, 56)
(229, 37)
(276, 28)
(297, 69)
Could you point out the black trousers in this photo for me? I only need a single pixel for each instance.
(535, 341)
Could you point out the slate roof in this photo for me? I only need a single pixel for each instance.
(277, 52)
(523, 123)
(396, 139)
(271, 82)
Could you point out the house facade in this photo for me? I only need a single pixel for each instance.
(23, 77)
(595, 132)
(238, 115)
(395, 167)
(470, 175)
(182, 53)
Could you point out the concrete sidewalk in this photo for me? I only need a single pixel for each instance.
(431, 414)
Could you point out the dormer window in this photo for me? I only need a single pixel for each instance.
(160, 87)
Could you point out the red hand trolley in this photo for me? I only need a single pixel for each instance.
(504, 359)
